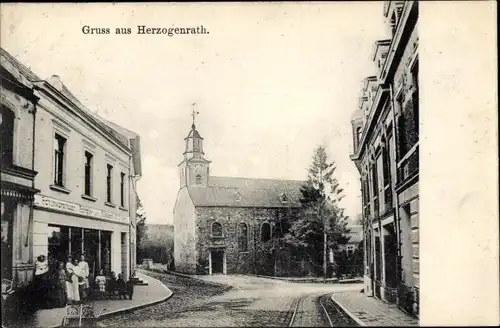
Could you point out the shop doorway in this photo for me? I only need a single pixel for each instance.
(124, 255)
(390, 255)
(217, 261)
(378, 267)
(8, 212)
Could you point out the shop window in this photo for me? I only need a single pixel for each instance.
(265, 232)
(6, 136)
(216, 229)
(59, 158)
(8, 211)
(243, 237)
(88, 173)
(122, 189)
(109, 178)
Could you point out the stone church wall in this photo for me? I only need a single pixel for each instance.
(251, 261)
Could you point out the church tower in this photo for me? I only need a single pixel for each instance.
(194, 169)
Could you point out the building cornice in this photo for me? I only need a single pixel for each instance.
(380, 97)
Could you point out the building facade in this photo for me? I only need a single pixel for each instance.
(386, 153)
(87, 170)
(17, 128)
(222, 224)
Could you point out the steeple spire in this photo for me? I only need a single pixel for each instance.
(193, 114)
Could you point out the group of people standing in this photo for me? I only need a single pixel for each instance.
(63, 283)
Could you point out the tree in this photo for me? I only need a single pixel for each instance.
(140, 227)
(322, 223)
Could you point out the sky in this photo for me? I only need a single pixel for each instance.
(271, 81)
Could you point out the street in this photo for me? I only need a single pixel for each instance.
(237, 300)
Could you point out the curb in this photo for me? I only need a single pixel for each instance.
(349, 313)
(310, 280)
(134, 307)
(183, 275)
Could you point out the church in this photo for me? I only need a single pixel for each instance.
(224, 225)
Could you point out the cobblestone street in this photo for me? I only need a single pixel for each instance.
(223, 301)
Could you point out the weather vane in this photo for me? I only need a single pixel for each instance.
(194, 113)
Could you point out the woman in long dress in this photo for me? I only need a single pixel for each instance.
(84, 268)
(72, 283)
(80, 283)
(61, 296)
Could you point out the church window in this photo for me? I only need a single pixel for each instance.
(265, 232)
(216, 229)
(198, 179)
(243, 238)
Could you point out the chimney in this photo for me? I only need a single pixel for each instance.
(55, 81)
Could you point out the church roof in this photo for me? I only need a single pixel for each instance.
(245, 192)
(193, 133)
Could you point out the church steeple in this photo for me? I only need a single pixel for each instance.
(194, 142)
(194, 169)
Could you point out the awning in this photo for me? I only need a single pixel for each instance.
(17, 191)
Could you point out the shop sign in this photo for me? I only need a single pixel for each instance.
(55, 204)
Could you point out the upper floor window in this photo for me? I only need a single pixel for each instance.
(265, 232)
(386, 163)
(216, 229)
(243, 237)
(88, 173)
(109, 178)
(198, 179)
(6, 136)
(59, 158)
(122, 189)
(415, 98)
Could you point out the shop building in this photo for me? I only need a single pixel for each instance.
(386, 153)
(17, 128)
(87, 173)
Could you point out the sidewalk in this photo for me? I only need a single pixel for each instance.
(154, 292)
(369, 311)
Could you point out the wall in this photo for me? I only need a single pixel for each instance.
(184, 233)
(248, 262)
(80, 138)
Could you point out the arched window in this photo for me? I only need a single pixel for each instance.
(6, 136)
(243, 237)
(198, 179)
(216, 229)
(265, 232)
(358, 134)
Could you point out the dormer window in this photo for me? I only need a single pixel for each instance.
(393, 23)
(237, 195)
(283, 198)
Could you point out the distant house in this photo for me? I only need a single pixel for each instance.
(356, 237)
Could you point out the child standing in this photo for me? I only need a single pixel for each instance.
(100, 281)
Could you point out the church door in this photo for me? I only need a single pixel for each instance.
(217, 261)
